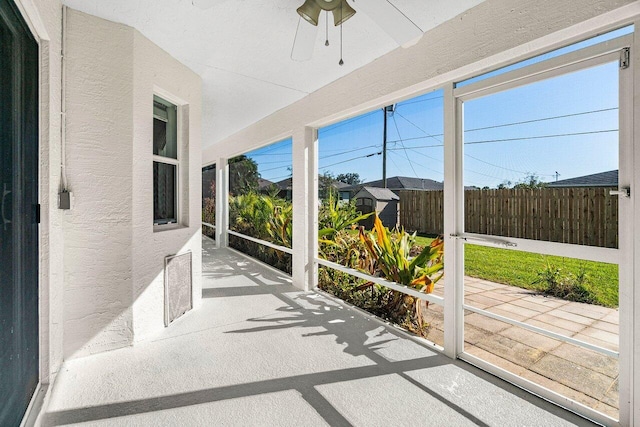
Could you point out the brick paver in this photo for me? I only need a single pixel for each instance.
(586, 376)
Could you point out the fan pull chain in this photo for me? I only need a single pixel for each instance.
(326, 42)
(341, 19)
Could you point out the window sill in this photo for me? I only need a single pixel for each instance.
(168, 227)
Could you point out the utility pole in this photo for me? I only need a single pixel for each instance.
(386, 110)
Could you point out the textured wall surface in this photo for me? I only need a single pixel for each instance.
(156, 71)
(98, 243)
(114, 260)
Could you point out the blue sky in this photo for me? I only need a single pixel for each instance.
(566, 124)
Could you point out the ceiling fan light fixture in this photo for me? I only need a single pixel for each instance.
(342, 13)
(310, 11)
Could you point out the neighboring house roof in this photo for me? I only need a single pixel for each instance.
(264, 183)
(285, 184)
(602, 179)
(341, 185)
(378, 193)
(397, 183)
(401, 183)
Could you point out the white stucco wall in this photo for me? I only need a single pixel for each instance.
(155, 71)
(113, 258)
(98, 241)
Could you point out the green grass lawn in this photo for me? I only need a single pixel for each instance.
(521, 269)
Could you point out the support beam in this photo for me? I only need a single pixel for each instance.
(222, 202)
(305, 212)
(453, 224)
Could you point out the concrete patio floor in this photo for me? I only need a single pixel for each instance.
(258, 352)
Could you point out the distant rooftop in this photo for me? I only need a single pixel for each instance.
(380, 193)
(602, 179)
(401, 183)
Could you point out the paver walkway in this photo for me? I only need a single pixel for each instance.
(586, 376)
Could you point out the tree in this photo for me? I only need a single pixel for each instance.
(351, 178)
(243, 175)
(530, 181)
(326, 185)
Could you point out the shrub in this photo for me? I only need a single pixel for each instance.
(263, 217)
(385, 254)
(565, 285)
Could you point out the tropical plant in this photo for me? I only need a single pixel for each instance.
(386, 254)
(209, 210)
(266, 218)
(391, 255)
(335, 216)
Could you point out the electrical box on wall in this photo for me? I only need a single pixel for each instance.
(64, 200)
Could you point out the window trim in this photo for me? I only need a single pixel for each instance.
(170, 161)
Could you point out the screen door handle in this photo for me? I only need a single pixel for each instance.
(5, 193)
(624, 192)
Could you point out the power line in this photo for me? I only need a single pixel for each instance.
(346, 122)
(348, 151)
(420, 129)
(276, 168)
(542, 119)
(267, 154)
(350, 160)
(421, 100)
(501, 167)
(402, 143)
(508, 124)
(424, 167)
(559, 135)
(513, 139)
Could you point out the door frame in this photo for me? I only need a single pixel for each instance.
(597, 54)
(29, 13)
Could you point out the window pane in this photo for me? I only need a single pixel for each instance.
(260, 202)
(572, 297)
(553, 54)
(165, 135)
(540, 159)
(391, 162)
(209, 200)
(164, 193)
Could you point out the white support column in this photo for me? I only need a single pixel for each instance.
(222, 202)
(305, 213)
(630, 128)
(453, 224)
(311, 268)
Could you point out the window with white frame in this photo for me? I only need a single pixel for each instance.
(166, 162)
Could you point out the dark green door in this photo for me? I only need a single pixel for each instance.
(18, 215)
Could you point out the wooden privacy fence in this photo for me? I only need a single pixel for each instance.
(578, 215)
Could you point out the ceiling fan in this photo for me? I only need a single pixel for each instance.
(389, 18)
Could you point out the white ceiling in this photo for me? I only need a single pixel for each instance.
(242, 49)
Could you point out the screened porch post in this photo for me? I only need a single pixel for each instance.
(222, 203)
(305, 214)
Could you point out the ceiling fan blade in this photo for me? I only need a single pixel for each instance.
(203, 4)
(305, 40)
(392, 21)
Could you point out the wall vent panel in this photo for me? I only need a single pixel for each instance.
(178, 297)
